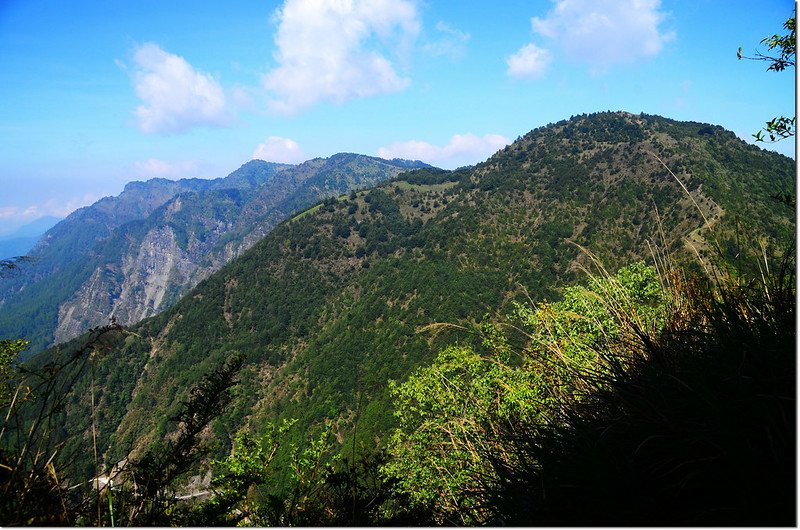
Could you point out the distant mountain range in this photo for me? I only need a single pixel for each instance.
(134, 255)
(329, 305)
(21, 240)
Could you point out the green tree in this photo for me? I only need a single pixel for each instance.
(247, 488)
(238, 476)
(448, 414)
(155, 472)
(781, 55)
(9, 351)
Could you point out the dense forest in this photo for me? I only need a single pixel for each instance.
(594, 326)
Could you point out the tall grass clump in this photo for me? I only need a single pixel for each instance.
(40, 485)
(690, 422)
(37, 474)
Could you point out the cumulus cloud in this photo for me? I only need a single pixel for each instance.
(175, 97)
(281, 150)
(331, 50)
(529, 62)
(461, 150)
(600, 33)
(154, 167)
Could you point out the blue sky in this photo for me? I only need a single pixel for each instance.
(98, 93)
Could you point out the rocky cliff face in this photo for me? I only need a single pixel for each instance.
(137, 289)
(149, 277)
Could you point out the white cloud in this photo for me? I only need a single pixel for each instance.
(175, 97)
(451, 42)
(60, 207)
(603, 33)
(529, 62)
(463, 149)
(7, 212)
(336, 50)
(282, 150)
(160, 168)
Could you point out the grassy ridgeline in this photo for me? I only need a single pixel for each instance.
(692, 425)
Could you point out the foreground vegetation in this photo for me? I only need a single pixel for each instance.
(650, 396)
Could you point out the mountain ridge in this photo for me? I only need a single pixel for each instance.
(328, 307)
(161, 237)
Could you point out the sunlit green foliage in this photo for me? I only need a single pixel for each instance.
(448, 417)
(9, 352)
(589, 317)
(237, 476)
(248, 490)
(452, 413)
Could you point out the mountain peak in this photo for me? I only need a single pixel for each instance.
(258, 163)
(142, 184)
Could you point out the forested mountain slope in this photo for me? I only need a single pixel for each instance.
(329, 306)
(134, 255)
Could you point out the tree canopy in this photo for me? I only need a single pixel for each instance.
(781, 55)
